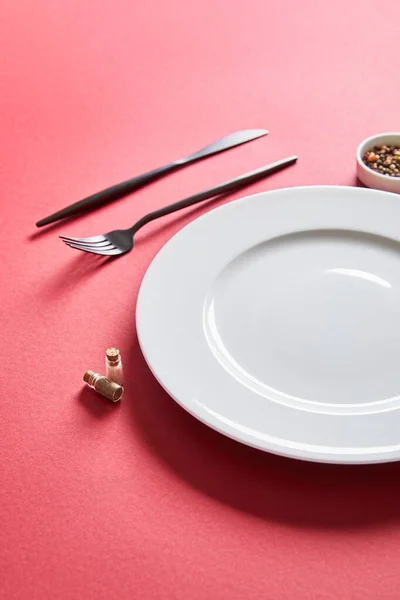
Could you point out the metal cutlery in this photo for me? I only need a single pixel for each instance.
(125, 187)
(121, 241)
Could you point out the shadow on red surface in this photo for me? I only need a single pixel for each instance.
(95, 404)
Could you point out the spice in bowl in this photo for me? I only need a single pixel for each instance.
(384, 160)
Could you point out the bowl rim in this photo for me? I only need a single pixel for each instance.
(369, 140)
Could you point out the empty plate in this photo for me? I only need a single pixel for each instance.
(275, 319)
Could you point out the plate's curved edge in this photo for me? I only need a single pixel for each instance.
(203, 417)
(242, 199)
(308, 456)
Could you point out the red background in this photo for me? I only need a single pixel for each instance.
(139, 500)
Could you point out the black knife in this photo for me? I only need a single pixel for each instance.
(125, 187)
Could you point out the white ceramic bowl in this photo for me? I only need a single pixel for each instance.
(371, 178)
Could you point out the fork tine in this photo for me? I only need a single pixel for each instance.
(89, 240)
(93, 250)
(103, 244)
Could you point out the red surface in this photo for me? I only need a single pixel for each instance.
(139, 500)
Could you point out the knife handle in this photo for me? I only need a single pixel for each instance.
(110, 194)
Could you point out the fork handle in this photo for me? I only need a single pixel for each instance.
(110, 194)
(228, 186)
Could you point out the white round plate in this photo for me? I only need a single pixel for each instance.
(275, 320)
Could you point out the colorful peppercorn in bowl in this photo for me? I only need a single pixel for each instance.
(378, 162)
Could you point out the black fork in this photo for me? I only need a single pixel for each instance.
(121, 241)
